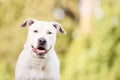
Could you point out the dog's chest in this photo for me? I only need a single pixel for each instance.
(37, 73)
(39, 70)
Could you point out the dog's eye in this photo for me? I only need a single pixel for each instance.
(35, 31)
(49, 32)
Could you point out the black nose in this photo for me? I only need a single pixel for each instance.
(42, 41)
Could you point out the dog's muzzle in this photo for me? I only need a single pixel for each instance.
(41, 47)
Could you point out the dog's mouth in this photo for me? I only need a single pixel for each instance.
(40, 50)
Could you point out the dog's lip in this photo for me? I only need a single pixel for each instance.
(39, 51)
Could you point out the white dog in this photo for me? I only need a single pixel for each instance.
(38, 60)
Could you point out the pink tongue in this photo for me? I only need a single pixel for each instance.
(38, 51)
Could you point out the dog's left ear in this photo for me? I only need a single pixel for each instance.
(58, 27)
(28, 22)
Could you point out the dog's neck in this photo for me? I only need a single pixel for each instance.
(40, 62)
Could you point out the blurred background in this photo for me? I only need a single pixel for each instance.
(89, 51)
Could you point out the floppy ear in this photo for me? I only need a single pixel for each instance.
(58, 27)
(28, 22)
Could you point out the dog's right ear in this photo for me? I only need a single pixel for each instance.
(28, 22)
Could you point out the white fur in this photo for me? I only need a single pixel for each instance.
(31, 66)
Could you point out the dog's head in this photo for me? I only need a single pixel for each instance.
(42, 35)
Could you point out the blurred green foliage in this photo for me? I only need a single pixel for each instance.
(96, 57)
